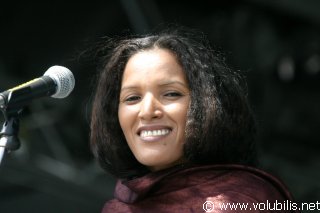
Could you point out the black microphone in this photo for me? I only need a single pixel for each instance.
(57, 82)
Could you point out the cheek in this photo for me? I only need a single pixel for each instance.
(120, 116)
(123, 118)
(178, 112)
(127, 118)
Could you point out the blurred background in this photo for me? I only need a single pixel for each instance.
(275, 43)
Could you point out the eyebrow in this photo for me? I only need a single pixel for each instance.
(167, 83)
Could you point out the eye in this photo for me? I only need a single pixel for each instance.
(132, 99)
(173, 94)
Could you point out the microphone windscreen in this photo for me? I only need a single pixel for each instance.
(64, 79)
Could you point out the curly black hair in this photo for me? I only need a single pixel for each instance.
(220, 125)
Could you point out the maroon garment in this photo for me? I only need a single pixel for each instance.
(186, 189)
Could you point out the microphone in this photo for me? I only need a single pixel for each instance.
(57, 82)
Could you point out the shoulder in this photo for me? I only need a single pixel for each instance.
(228, 183)
(239, 180)
(226, 188)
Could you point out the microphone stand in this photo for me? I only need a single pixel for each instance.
(9, 140)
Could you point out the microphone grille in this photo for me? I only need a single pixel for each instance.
(64, 80)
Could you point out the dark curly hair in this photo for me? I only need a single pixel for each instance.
(220, 126)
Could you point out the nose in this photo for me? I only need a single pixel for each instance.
(150, 108)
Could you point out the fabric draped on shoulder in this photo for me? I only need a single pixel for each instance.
(216, 188)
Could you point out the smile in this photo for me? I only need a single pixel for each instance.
(153, 133)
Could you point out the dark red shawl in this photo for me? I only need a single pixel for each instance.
(186, 189)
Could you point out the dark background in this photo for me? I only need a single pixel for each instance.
(275, 43)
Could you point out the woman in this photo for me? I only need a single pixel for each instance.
(171, 121)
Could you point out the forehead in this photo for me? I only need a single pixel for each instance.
(153, 64)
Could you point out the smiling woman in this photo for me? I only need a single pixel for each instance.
(171, 121)
(154, 101)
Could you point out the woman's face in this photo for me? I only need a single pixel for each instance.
(154, 100)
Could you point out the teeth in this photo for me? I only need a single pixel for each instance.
(148, 133)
